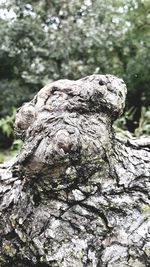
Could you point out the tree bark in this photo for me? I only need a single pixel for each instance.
(76, 195)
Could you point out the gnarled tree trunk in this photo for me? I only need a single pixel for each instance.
(76, 195)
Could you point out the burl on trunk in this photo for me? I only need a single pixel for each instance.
(76, 195)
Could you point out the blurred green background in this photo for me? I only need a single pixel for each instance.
(45, 40)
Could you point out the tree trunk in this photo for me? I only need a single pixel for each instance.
(76, 196)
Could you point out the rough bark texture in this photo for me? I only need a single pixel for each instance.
(76, 196)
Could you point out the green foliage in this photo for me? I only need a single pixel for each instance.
(120, 125)
(9, 154)
(6, 124)
(143, 127)
(48, 40)
(122, 121)
(144, 123)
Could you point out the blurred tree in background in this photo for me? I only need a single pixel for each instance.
(45, 40)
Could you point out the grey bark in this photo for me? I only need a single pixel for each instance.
(76, 195)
